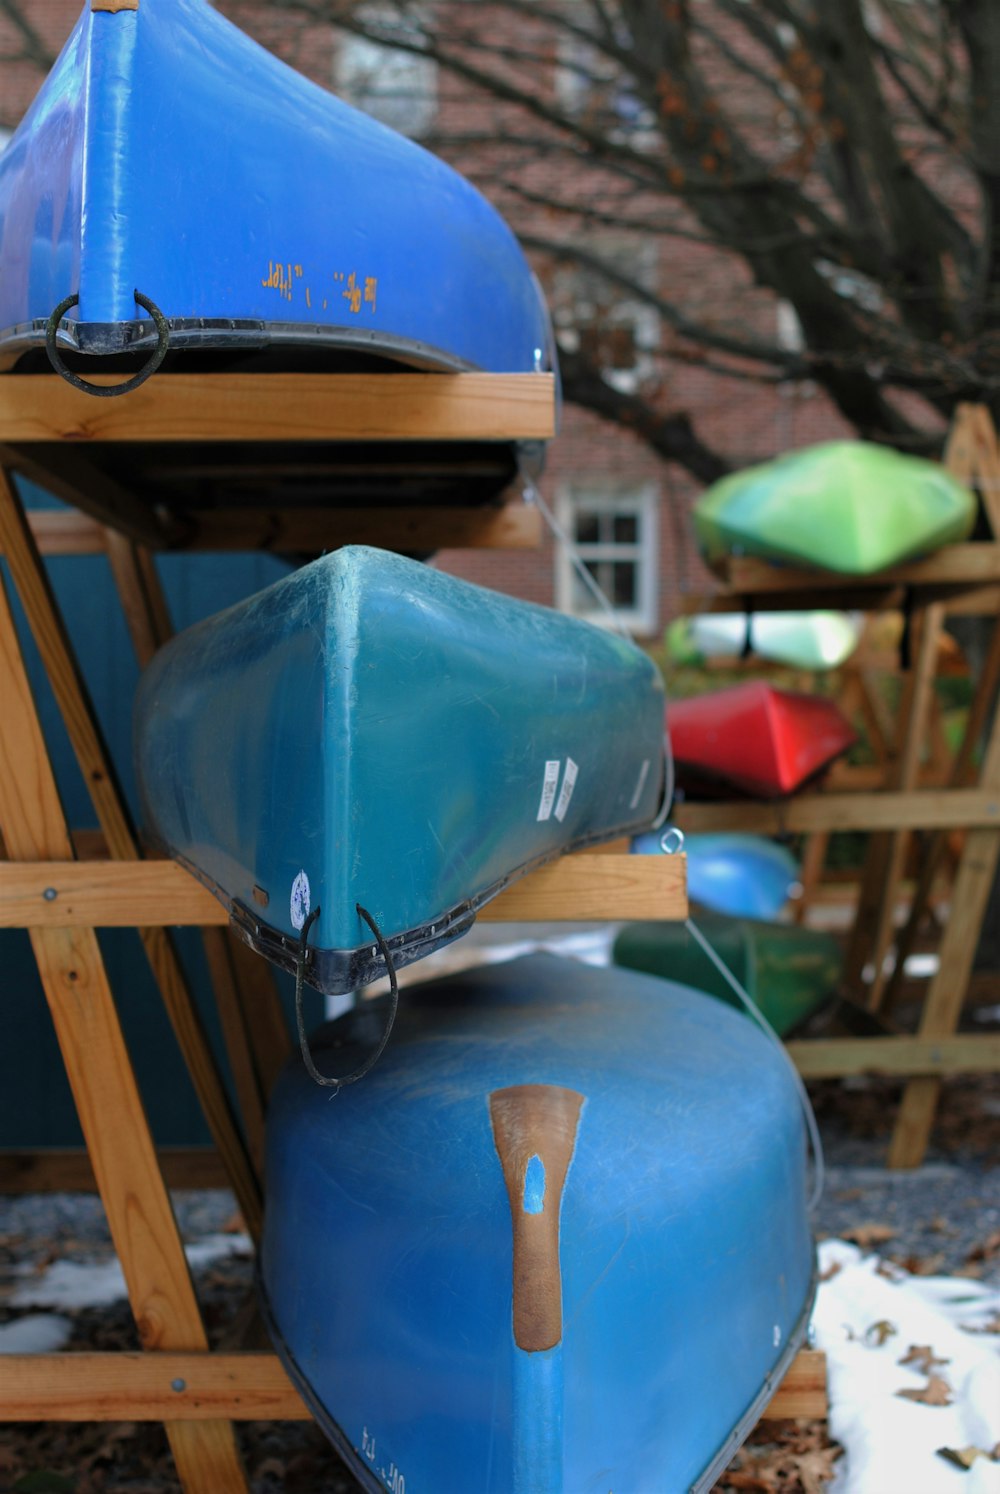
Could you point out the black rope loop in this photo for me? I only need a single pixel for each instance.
(300, 967)
(107, 391)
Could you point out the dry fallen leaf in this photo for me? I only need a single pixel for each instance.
(923, 1357)
(867, 1235)
(877, 1333)
(964, 1457)
(987, 1249)
(937, 1392)
(831, 1271)
(920, 1265)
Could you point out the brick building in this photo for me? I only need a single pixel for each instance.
(626, 507)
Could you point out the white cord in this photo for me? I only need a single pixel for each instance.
(532, 495)
(815, 1142)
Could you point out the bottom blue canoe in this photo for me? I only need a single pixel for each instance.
(556, 1242)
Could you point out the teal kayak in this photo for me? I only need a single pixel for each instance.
(786, 970)
(847, 506)
(370, 731)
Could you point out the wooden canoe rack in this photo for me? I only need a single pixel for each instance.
(961, 579)
(61, 887)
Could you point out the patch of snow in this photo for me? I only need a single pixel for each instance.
(74, 1284)
(41, 1333)
(891, 1443)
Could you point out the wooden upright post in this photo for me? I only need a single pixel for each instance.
(111, 1114)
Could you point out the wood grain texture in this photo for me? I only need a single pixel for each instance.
(803, 1390)
(283, 407)
(921, 809)
(109, 894)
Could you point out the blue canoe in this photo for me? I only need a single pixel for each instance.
(369, 730)
(168, 153)
(275, 229)
(746, 876)
(555, 1242)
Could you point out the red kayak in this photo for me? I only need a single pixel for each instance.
(753, 737)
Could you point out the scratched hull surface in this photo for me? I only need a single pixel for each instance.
(588, 1134)
(373, 731)
(169, 153)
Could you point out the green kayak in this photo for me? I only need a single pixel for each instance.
(788, 971)
(801, 640)
(847, 506)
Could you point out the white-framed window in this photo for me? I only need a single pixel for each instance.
(398, 88)
(594, 89)
(615, 531)
(594, 315)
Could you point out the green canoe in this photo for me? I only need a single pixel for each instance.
(801, 640)
(846, 506)
(788, 971)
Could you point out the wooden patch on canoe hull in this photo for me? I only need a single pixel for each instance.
(534, 1129)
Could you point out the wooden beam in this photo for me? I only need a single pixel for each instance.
(515, 526)
(81, 722)
(835, 1058)
(953, 565)
(156, 894)
(69, 474)
(70, 1170)
(66, 532)
(921, 809)
(241, 1387)
(283, 407)
(803, 1390)
(144, 1387)
(73, 977)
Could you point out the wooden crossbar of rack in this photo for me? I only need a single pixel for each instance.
(45, 428)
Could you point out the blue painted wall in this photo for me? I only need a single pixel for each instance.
(36, 1107)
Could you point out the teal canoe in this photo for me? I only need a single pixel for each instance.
(556, 1242)
(786, 970)
(370, 731)
(847, 506)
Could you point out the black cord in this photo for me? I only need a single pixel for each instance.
(300, 968)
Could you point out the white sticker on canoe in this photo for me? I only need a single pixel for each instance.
(549, 787)
(566, 792)
(633, 803)
(299, 901)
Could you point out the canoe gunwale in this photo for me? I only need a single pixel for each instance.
(334, 972)
(719, 1462)
(222, 334)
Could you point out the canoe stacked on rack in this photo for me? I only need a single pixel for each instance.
(271, 227)
(370, 731)
(756, 738)
(554, 1242)
(787, 971)
(745, 876)
(846, 506)
(801, 640)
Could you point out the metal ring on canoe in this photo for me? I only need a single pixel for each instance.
(107, 391)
